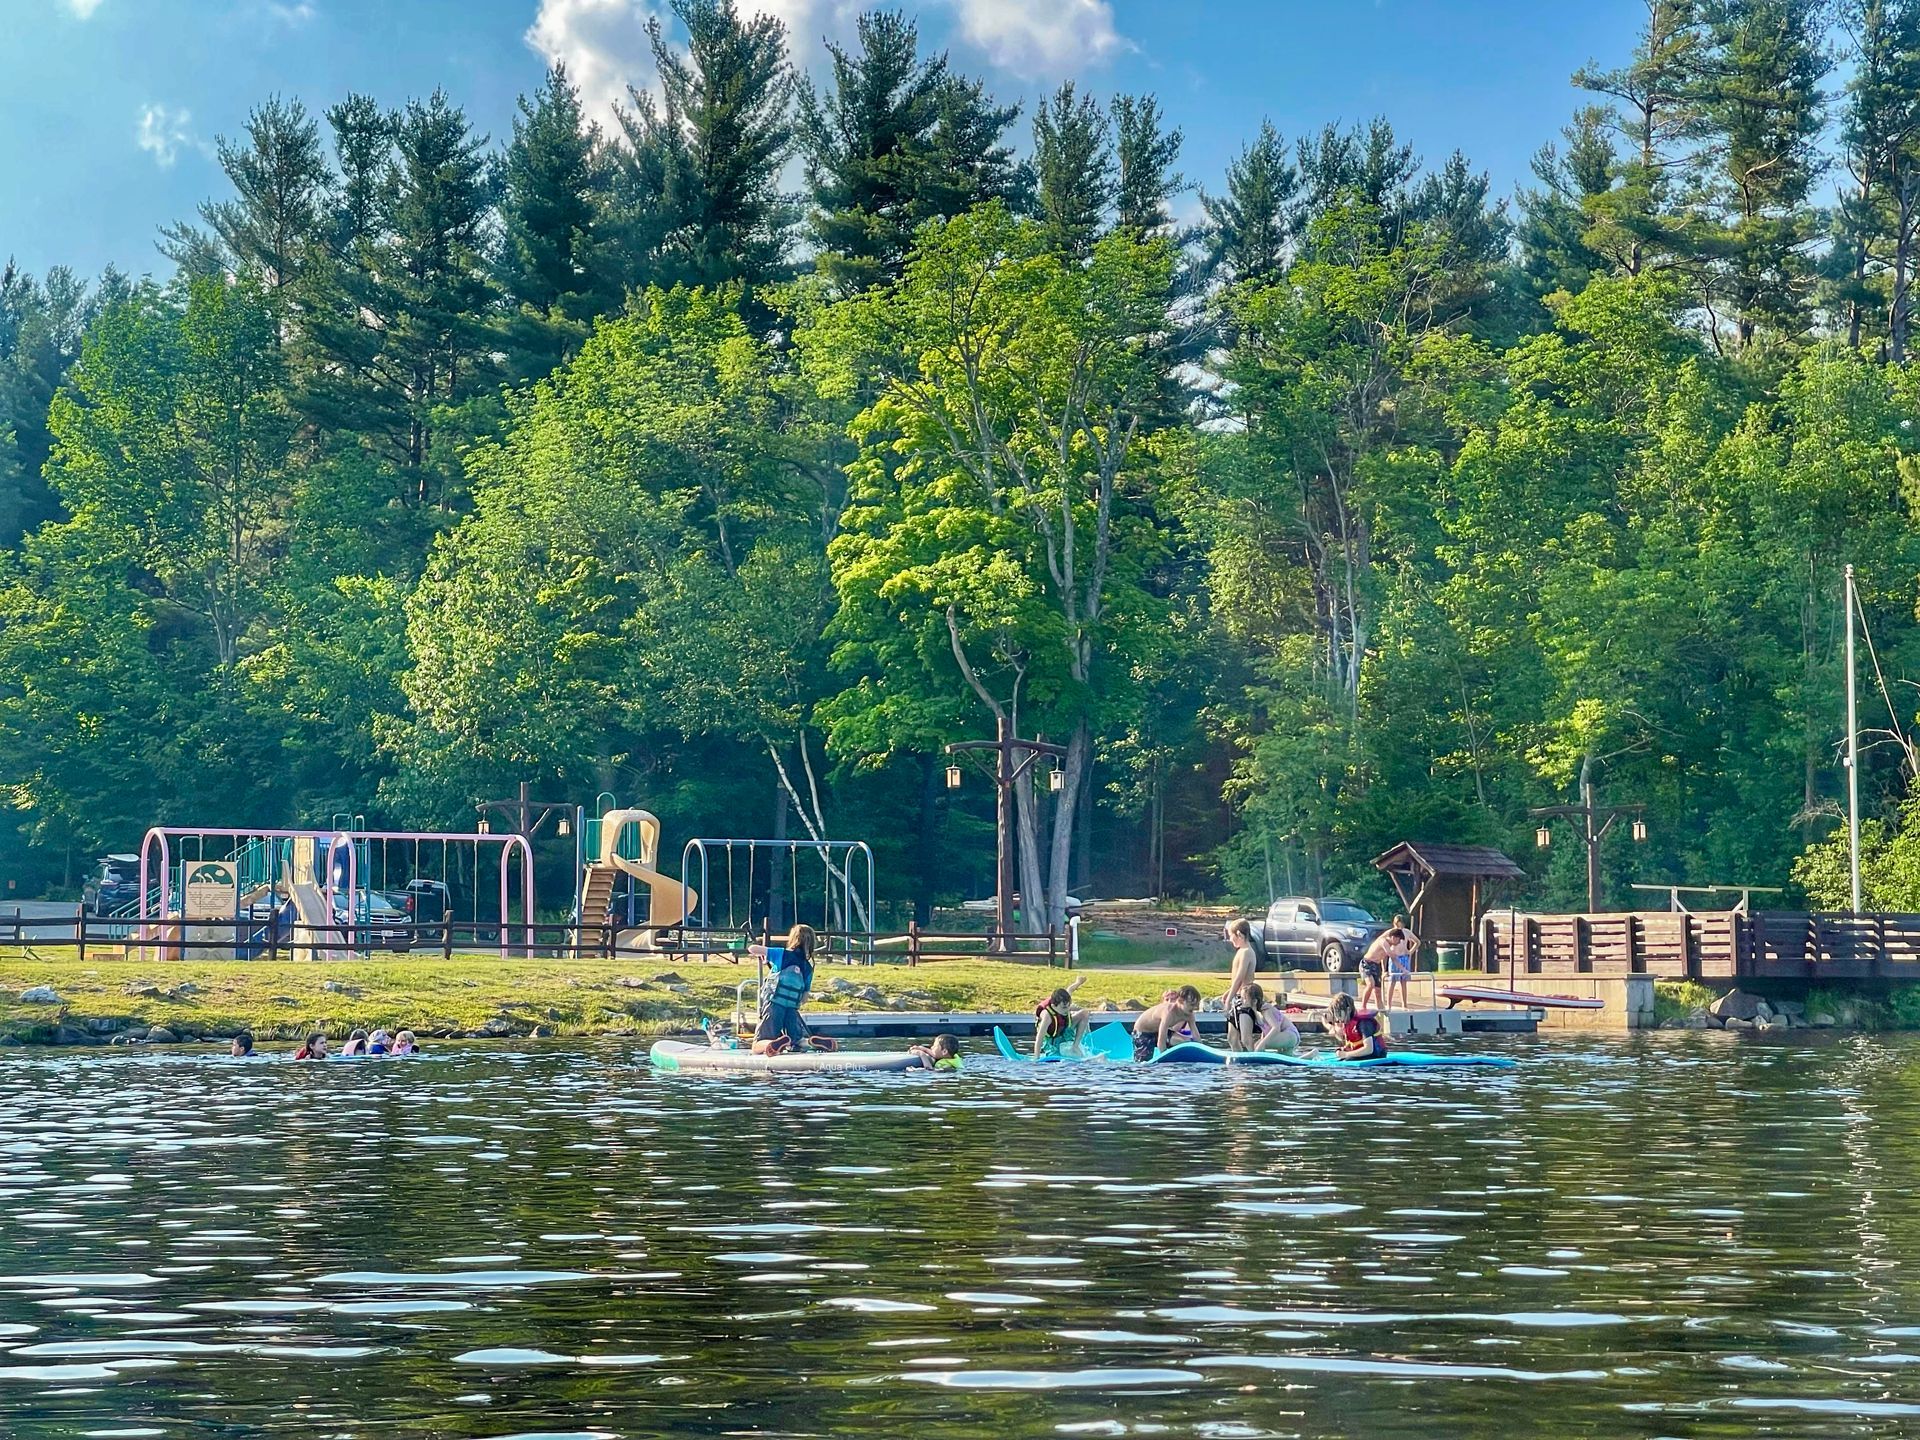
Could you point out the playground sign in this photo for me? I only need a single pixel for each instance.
(212, 892)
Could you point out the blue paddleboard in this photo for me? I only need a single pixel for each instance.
(1192, 1052)
(1112, 1041)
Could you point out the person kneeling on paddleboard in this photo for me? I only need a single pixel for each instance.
(1358, 1036)
(1276, 1030)
(1058, 1028)
(781, 1028)
(1160, 1026)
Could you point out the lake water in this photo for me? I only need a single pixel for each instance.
(1679, 1235)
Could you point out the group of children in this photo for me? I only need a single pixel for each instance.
(1254, 1022)
(359, 1043)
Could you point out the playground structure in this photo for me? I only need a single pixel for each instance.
(309, 892)
(825, 883)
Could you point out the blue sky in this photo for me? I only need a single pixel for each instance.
(108, 108)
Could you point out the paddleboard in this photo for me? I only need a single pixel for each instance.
(1192, 1052)
(1112, 1041)
(685, 1055)
(1495, 996)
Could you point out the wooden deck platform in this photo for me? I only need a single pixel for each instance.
(1720, 945)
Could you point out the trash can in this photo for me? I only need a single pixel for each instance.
(1450, 957)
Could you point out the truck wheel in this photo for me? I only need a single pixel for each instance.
(1333, 957)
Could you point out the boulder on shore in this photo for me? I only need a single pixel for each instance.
(39, 995)
(1738, 1005)
(1821, 1020)
(1734, 1022)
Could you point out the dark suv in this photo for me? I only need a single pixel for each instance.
(113, 886)
(1332, 933)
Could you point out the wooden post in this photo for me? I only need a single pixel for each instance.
(80, 928)
(913, 943)
(446, 934)
(1052, 958)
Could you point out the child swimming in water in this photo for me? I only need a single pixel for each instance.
(356, 1044)
(243, 1045)
(1357, 1036)
(315, 1048)
(1162, 1024)
(378, 1043)
(1058, 1028)
(403, 1044)
(942, 1054)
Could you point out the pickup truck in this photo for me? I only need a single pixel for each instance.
(1303, 931)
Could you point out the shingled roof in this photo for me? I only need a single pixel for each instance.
(1475, 861)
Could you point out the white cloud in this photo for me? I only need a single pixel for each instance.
(83, 9)
(287, 12)
(1041, 38)
(162, 131)
(603, 44)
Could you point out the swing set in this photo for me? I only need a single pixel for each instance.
(839, 893)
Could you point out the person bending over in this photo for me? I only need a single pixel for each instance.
(1058, 1028)
(1357, 1035)
(1161, 1025)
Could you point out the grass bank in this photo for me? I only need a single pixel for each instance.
(481, 994)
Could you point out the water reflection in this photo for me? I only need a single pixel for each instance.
(1675, 1235)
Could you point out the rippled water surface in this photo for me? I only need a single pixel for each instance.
(1676, 1236)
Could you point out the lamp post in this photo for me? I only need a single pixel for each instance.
(1594, 822)
(526, 814)
(1012, 759)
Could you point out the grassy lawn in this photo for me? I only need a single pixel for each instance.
(283, 999)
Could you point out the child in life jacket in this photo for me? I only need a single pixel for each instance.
(1058, 1028)
(942, 1054)
(1357, 1036)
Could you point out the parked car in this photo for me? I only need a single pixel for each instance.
(1333, 933)
(386, 926)
(115, 883)
(425, 901)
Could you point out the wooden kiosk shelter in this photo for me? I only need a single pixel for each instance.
(1443, 886)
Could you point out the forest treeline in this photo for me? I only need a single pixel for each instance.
(1372, 506)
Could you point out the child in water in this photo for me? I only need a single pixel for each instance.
(1357, 1036)
(1161, 1025)
(942, 1054)
(243, 1045)
(403, 1044)
(315, 1048)
(356, 1044)
(1057, 1027)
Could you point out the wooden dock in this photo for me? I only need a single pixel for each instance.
(1719, 945)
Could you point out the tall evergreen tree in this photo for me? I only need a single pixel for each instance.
(363, 149)
(1638, 224)
(718, 141)
(968, 159)
(1369, 164)
(1073, 170)
(1248, 227)
(1879, 213)
(1763, 110)
(280, 180)
(1555, 220)
(553, 195)
(1145, 152)
(867, 139)
(42, 324)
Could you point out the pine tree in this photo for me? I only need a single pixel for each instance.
(1247, 228)
(1145, 152)
(717, 141)
(553, 196)
(968, 160)
(1878, 215)
(867, 140)
(1368, 165)
(41, 327)
(1637, 223)
(1072, 166)
(362, 147)
(280, 181)
(1763, 109)
(1554, 250)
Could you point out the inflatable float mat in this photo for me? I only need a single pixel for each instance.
(685, 1055)
(1192, 1052)
(1497, 996)
(1112, 1041)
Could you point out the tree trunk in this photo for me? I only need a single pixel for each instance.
(1078, 749)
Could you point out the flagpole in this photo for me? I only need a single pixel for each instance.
(1853, 760)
